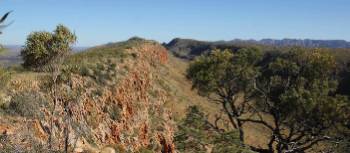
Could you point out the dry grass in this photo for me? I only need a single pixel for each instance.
(182, 96)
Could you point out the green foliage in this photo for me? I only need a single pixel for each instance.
(299, 85)
(228, 142)
(344, 146)
(25, 104)
(299, 92)
(192, 135)
(207, 72)
(296, 88)
(104, 73)
(43, 48)
(195, 135)
(225, 74)
(225, 70)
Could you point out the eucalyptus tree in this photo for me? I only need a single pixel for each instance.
(224, 76)
(297, 89)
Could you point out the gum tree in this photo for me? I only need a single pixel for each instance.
(223, 76)
(298, 90)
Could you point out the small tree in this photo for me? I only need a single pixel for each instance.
(47, 51)
(223, 75)
(43, 48)
(296, 89)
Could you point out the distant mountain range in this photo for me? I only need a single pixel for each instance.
(189, 48)
(309, 43)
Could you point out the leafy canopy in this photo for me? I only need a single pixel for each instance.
(224, 71)
(298, 89)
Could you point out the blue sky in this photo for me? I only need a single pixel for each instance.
(102, 21)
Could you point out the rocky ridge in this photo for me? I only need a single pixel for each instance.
(109, 104)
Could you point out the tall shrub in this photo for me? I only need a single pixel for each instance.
(43, 48)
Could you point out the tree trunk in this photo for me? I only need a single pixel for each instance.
(240, 129)
(270, 145)
(66, 133)
(229, 115)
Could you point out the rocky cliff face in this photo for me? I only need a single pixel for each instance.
(101, 102)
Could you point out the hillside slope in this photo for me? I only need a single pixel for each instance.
(108, 99)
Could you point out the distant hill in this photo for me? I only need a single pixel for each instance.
(189, 48)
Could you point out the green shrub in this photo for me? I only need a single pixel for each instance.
(103, 73)
(25, 104)
(42, 47)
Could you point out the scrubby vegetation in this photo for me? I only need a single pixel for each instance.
(26, 104)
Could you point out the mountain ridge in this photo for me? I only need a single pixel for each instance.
(309, 43)
(190, 48)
